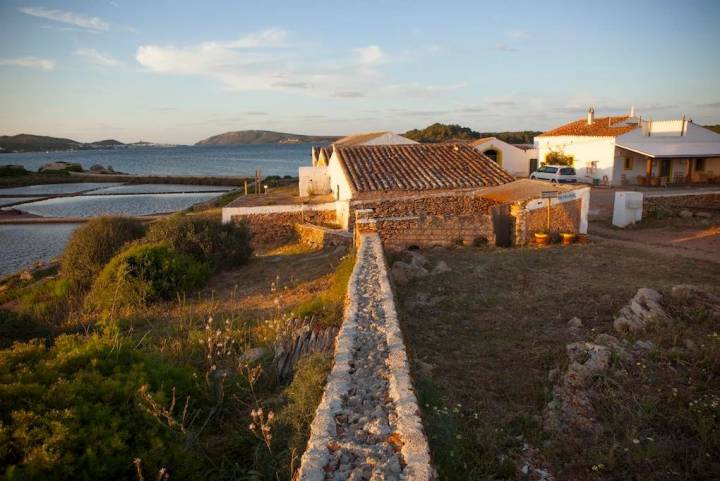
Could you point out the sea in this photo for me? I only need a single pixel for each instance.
(190, 160)
(23, 245)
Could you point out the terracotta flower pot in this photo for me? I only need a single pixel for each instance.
(542, 238)
(581, 238)
(567, 238)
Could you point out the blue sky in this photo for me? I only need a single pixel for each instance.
(175, 71)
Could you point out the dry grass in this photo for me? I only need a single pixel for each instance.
(484, 336)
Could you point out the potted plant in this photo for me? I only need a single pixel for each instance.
(567, 237)
(542, 238)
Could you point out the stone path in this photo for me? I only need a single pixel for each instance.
(367, 426)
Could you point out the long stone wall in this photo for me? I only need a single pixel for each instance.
(564, 217)
(319, 236)
(673, 203)
(276, 224)
(367, 425)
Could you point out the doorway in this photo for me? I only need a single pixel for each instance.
(533, 165)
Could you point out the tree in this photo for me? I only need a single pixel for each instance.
(559, 158)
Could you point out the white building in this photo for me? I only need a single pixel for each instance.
(315, 179)
(628, 149)
(519, 160)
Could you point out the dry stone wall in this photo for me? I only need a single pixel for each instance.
(319, 236)
(438, 218)
(673, 204)
(279, 227)
(564, 217)
(367, 426)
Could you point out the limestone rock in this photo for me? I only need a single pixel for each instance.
(685, 214)
(575, 322)
(441, 268)
(644, 308)
(704, 215)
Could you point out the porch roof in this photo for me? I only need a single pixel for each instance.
(673, 149)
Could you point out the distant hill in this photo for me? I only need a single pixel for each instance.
(243, 137)
(447, 132)
(38, 143)
(34, 143)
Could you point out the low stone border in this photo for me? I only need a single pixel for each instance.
(415, 450)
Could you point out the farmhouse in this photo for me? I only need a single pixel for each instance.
(628, 149)
(417, 195)
(518, 159)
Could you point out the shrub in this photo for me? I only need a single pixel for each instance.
(13, 171)
(143, 274)
(74, 410)
(224, 245)
(48, 302)
(559, 158)
(91, 246)
(16, 327)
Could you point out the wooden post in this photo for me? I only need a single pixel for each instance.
(246, 187)
(548, 217)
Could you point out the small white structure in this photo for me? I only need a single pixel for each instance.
(628, 149)
(316, 179)
(519, 160)
(627, 209)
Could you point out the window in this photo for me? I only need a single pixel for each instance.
(629, 163)
(548, 170)
(567, 171)
(699, 165)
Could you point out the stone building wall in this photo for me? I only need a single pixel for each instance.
(564, 217)
(319, 236)
(673, 204)
(426, 220)
(279, 227)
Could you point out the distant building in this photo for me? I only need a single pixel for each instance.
(519, 160)
(628, 149)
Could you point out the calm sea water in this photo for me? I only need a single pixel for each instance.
(25, 244)
(232, 160)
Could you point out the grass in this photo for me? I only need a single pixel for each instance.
(484, 336)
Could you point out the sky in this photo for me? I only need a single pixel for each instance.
(176, 72)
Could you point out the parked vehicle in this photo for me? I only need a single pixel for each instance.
(556, 174)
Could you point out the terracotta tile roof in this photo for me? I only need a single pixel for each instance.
(481, 141)
(601, 127)
(361, 138)
(412, 167)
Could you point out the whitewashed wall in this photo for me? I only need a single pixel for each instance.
(514, 160)
(584, 149)
(314, 180)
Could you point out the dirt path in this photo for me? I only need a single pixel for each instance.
(664, 243)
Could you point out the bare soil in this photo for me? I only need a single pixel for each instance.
(484, 336)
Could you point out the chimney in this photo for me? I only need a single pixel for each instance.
(591, 116)
(632, 111)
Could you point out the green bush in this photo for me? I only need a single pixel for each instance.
(143, 274)
(91, 246)
(225, 245)
(48, 302)
(16, 327)
(13, 171)
(559, 158)
(76, 411)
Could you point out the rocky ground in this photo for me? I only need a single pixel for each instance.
(365, 447)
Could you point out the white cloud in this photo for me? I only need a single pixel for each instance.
(97, 58)
(517, 34)
(77, 19)
(371, 55)
(29, 62)
(503, 47)
(264, 61)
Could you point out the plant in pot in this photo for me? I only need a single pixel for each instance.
(542, 238)
(567, 237)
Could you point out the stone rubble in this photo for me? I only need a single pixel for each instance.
(367, 427)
